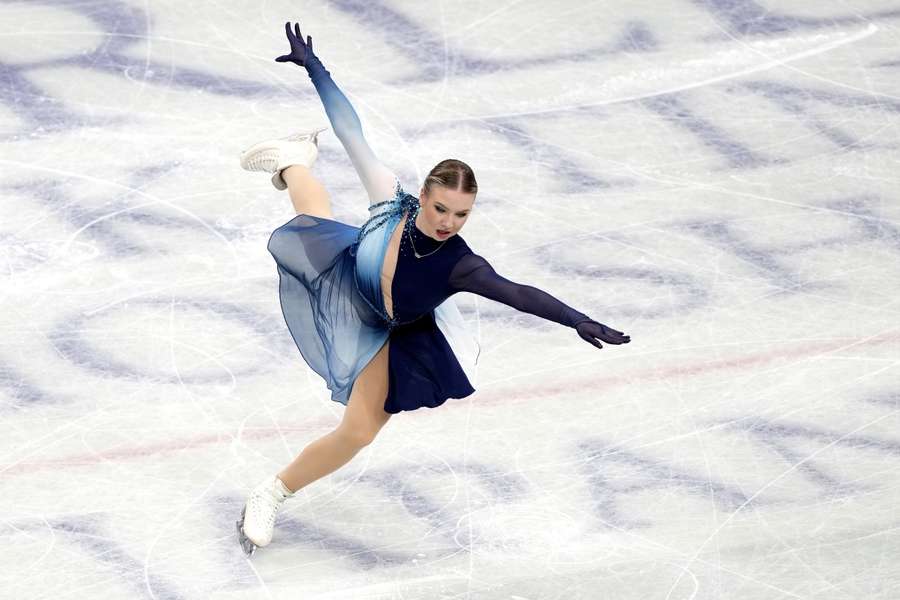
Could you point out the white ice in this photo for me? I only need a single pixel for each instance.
(716, 178)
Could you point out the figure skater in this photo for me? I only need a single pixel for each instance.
(370, 308)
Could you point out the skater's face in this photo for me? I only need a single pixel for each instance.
(443, 211)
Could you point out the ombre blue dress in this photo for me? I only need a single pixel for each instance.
(331, 296)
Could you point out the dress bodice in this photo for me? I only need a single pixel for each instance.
(420, 284)
(398, 285)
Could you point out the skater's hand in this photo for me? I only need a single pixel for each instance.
(588, 330)
(299, 50)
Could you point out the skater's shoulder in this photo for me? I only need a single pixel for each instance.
(461, 242)
(466, 259)
(460, 246)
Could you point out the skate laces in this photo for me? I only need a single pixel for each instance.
(262, 509)
(311, 136)
(265, 503)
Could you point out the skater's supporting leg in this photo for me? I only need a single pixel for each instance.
(363, 419)
(319, 458)
(308, 195)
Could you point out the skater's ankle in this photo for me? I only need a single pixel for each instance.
(292, 171)
(282, 486)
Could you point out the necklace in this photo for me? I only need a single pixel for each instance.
(409, 233)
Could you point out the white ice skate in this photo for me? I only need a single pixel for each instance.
(276, 155)
(257, 522)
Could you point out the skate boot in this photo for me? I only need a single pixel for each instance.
(276, 155)
(257, 520)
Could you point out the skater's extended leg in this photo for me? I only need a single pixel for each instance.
(308, 195)
(363, 419)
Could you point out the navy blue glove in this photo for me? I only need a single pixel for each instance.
(300, 52)
(588, 330)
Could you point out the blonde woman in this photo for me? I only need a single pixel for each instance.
(370, 308)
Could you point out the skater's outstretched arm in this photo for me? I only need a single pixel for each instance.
(378, 180)
(474, 274)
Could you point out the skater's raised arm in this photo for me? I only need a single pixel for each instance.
(474, 274)
(378, 180)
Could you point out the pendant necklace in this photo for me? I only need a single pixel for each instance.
(409, 233)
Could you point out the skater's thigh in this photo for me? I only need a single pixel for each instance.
(308, 195)
(365, 414)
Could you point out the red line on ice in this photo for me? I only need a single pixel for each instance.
(498, 396)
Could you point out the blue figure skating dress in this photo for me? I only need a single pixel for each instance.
(330, 285)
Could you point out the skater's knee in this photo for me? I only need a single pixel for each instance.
(358, 436)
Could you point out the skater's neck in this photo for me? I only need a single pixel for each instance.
(423, 233)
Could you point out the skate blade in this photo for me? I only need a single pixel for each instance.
(247, 544)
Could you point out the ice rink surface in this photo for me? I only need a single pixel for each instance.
(716, 178)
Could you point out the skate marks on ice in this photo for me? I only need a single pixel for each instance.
(727, 169)
(87, 544)
(407, 517)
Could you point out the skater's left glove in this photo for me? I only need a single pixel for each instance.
(300, 53)
(589, 330)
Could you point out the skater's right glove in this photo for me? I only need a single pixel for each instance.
(588, 330)
(301, 53)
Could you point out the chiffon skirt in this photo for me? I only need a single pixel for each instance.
(338, 332)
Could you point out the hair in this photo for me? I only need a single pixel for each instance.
(453, 174)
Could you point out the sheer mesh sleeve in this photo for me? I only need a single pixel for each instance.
(378, 180)
(474, 274)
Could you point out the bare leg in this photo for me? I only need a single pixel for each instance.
(363, 419)
(308, 195)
